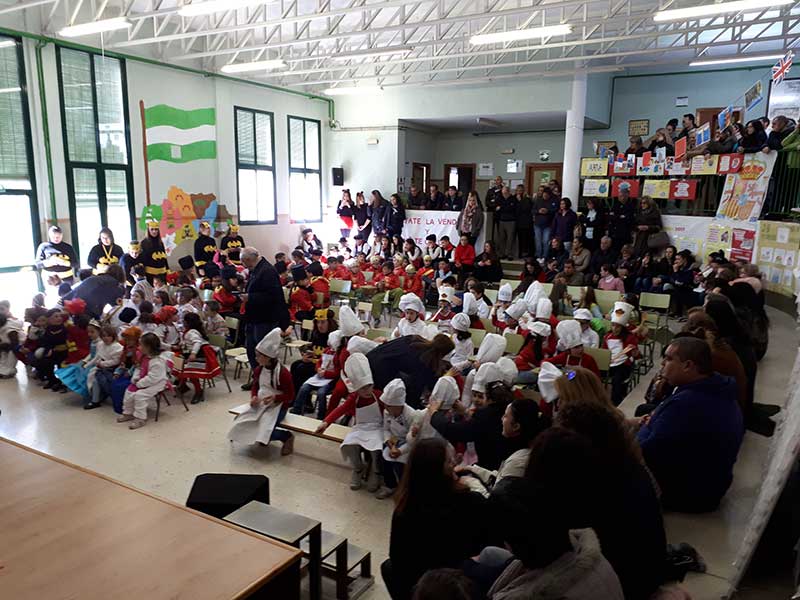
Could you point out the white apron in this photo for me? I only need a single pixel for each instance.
(257, 424)
(398, 429)
(616, 347)
(368, 430)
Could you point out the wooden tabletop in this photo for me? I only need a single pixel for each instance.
(69, 533)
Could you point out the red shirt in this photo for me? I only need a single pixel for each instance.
(300, 300)
(340, 272)
(357, 280)
(527, 357)
(285, 386)
(399, 271)
(413, 285)
(338, 362)
(563, 359)
(390, 281)
(464, 255)
(353, 401)
(323, 286)
(632, 339)
(227, 301)
(77, 344)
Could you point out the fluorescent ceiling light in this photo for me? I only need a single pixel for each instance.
(7, 43)
(738, 59)
(260, 65)
(372, 53)
(519, 34)
(196, 9)
(349, 91)
(710, 10)
(95, 27)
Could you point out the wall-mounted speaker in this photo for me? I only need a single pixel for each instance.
(338, 176)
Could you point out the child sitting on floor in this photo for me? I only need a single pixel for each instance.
(149, 379)
(11, 339)
(108, 353)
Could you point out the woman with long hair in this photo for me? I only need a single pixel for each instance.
(437, 521)
(593, 223)
(754, 138)
(487, 264)
(378, 213)
(105, 253)
(531, 271)
(231, 244)
(395, 216)
(470, 219)
(361, 214)
(648, 222)
(345, 212)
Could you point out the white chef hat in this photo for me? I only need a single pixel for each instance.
(394, 394)
(544, 308)
(460, 322)
(508, 369)
(539, 328)
(621, 313)
(547, 381)
(569, 333)
(487, 373)
(413, 302)
(430, 331)
(335, 339)
(270, 344)
(447, 294)
(357, 373)
(469, 304)
(505, 293)
(349, 324)
(491, 348)
(516, 310)
(361, 344)
(446, 390)
(532, 294)
(350, 263)
(583, 314)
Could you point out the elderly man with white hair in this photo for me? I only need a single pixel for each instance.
(264, 305)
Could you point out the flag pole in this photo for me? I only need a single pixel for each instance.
(144, 152)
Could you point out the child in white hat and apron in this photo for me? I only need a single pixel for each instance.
(513, 318)
(270, 398)
(624, 346)
(445, 314)
(498, 311)
(589, 336)
(398, 418)
(462, 339)
(569, 337)
(413, 321)
(367, 432)
(533, 352)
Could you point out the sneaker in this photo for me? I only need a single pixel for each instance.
(137, 423)
(355, 480)
(197, 398)
(384, 493)
(124, 418)
(288, 446)
(374, 482)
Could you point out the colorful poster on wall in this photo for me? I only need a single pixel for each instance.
(680, 148)
(677, 167)
(486, 170)
(623, 167)
(718, 237)
(633, 187)
(649, 168)
(778, 247)
(597, 188)
(744, 192)
(702, 135)
(683, 189)
(742, 244)
(729, 163)
(753, 96)
(705, 165)
(656, 188)
(594, 167)
(687, 233)
(179, 135)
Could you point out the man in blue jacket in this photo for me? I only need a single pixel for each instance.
(690, 442)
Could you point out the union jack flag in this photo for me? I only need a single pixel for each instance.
(781, 69)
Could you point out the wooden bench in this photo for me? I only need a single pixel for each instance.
(307, 425)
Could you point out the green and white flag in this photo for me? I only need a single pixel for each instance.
(180, 136)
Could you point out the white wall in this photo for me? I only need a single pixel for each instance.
(366, 166)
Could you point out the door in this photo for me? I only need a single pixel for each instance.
(421, 176)
(708, 115)
(461, 175)
(541, 174)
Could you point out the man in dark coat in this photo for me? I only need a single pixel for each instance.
(99, 291)
(622, 218)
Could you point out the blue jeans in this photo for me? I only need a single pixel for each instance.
(280, 435)
(542, 240)
(392, 472)
(304, 395)
(526, 377)
(254, 333)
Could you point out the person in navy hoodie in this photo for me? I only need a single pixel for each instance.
(690, 442)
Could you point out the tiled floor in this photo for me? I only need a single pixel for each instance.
(164, 458)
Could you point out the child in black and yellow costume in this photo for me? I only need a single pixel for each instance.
(56, 259)
(130, 259)
(205, 248)
(154, 255)
(232, 244)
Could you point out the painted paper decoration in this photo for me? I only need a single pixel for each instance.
(703, 165)
(744, 192)
(623, 167)
(730, 163)
(652, 167)
(680, 148)
(597, 188)
(633, 191)
(594, 167)
(677, 167)
(683, 189)
(656, 188)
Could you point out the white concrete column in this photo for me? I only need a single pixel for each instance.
(573, 140)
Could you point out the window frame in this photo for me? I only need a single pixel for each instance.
(304, 170)
(98, 166)
(31, 193)
(255, 166)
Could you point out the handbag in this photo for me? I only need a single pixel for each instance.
(659, 239)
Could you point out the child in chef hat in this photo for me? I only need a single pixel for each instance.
(398, 418)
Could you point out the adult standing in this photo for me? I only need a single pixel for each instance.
(564, 223)
(232, 244)
(361, 214)
(100, 291)
(470, 219)
(506, 211)
(264, 304)
(378, 211)
(396, 216)
(105, 253)
(688, 126)
(648, 222)
(56, 259)
(593, 222)
(494, 193)
(154, 255)
(345, 212)
(524, 222)
(636, 146)
(452, 200)
(416, 199)
(205, 248)
(621, 218)
(544, 209)
(436, 199)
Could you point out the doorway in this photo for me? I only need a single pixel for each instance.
(421, 176)
(462, 176)
(541, 174)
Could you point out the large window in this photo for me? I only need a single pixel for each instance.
(18, 203)
(305, 181)
(255, 165)
(94, 116)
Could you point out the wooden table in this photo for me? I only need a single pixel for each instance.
(69, 533)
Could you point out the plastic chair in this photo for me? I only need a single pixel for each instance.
(602, 356)
(206, 372)
(491, 295)
(659, 303)
(373, 334)
(308, 325)
(162, 396)
(488, 325)
(514, 343)
(477, 336)
(606, 299)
